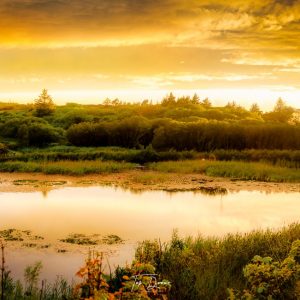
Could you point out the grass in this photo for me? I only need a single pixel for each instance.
(67, 167)
(203, 268)
(232, 169)
(284, 158)
(199, 267)
(149, 178)
(72, 153)
(258, 171)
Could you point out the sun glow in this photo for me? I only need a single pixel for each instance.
(136, 50)
(219, 97)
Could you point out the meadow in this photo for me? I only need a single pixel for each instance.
(231, 169)
(237, 170)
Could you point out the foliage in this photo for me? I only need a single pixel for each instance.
(203, 268)
(3, 149)
(232, 169)
(39, 135)
(44, 104)
(31, 276)
(184, 123)
(198, 268)
(67, 167)
(268, 279)
(32, 290)
(135, 282)
(281, 112)
(126, 133)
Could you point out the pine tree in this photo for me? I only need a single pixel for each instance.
(44, 104)
(206, 103)
(255, 109)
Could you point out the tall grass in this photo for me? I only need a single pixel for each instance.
(203, 268)
(198, 268)
(284, 158)
(67, 167)
(73, 153)
(231, 169)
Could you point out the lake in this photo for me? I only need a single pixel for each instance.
(133, 216)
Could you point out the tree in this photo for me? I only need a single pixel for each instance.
(195, 99)
(183, 101)
(255, 109)
(281, 112)
(280, 105)
(206, 103)
(169, 100)
(44, 105)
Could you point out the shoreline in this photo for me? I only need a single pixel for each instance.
(137, 181)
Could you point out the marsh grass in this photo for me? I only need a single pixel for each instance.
(232, 169)
(67, 167)
(204, 267)
(198, 267)
(73, 153)
(149, 178)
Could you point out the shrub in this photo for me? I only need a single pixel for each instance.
(3, 149)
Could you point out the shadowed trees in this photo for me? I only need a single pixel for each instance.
(281, 113)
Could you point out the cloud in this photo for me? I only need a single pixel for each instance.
(162, 43)
(135, 22)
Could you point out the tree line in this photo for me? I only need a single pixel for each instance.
(184, 123)
(201, 136)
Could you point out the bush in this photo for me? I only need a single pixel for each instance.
(40, 135)
(268, 279)
(203, 268)
(3, 149)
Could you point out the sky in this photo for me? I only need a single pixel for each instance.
(87, 50)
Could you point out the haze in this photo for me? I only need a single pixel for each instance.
(85, 51)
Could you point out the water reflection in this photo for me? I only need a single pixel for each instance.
(150, 214)
(54, 214)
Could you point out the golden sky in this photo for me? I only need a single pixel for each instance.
(86, 50)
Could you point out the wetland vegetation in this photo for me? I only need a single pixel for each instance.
(256, 265)
(181, 135)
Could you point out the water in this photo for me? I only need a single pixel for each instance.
(133, 217)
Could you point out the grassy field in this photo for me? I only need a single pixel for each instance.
(232, 169)
(283, 158)
(72, 153)
(67, 167)
(229, 169)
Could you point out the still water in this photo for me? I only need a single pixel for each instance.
(133, 217)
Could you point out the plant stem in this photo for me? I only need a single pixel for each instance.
(2, 271)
